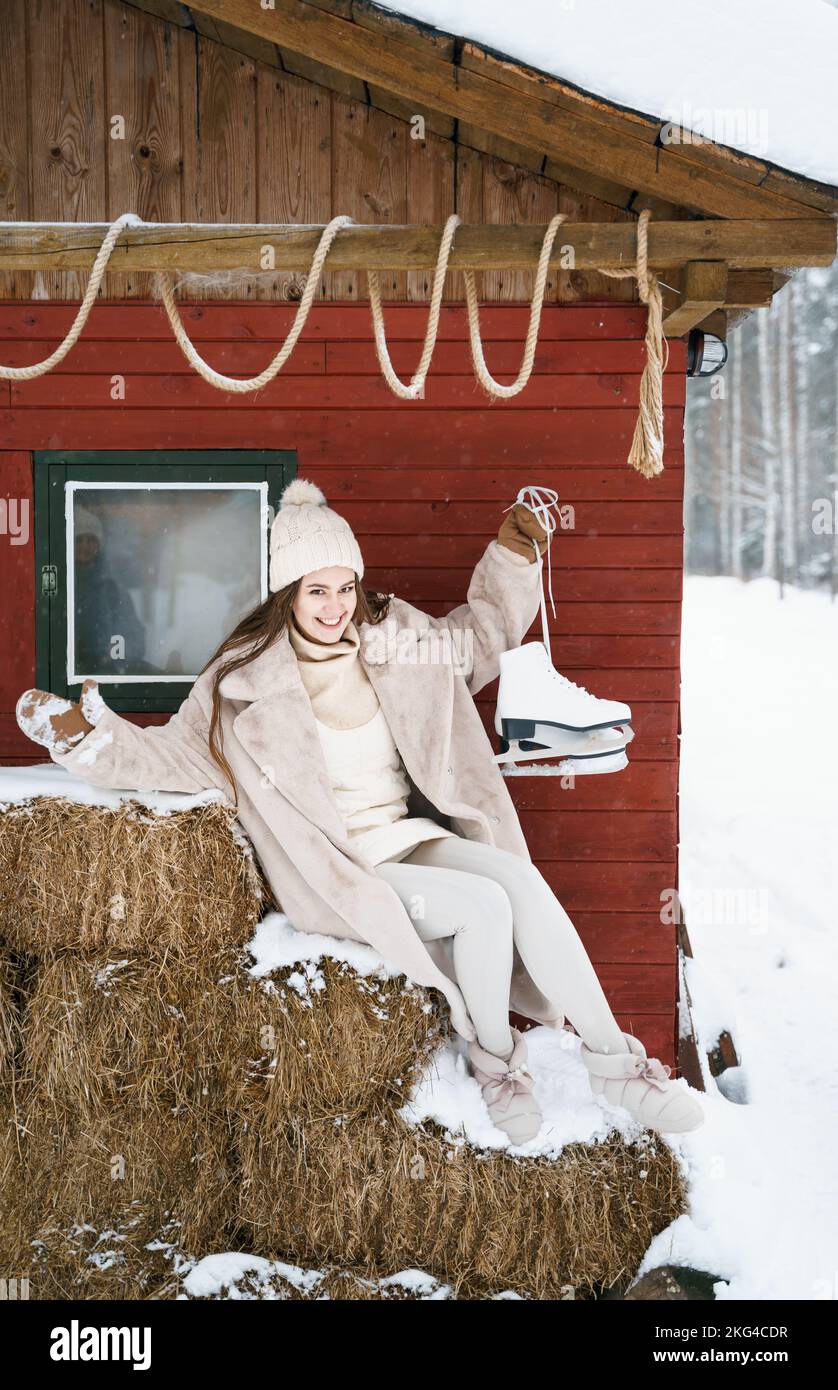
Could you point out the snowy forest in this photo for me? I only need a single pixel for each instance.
(762, 444)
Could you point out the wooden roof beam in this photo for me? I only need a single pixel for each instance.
(479, 246)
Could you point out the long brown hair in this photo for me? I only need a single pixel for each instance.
(262, 626)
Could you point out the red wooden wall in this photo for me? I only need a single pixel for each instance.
(423, 484)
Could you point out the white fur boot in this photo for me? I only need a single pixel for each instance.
(641, 1084)
(507, 1089)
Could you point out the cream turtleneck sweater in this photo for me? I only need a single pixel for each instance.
(368, 777)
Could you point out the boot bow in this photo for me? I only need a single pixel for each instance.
(518, 1081)
(650, 1069)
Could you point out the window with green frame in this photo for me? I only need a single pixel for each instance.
(145, 560)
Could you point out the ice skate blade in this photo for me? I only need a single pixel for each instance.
(518, 728)
(568, 743)
(581, 743)
(575, 767)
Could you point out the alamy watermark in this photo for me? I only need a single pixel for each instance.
(743, 127)
(14, 519)
(388, 641)
(717, 906)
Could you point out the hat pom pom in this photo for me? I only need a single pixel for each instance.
(300, 493)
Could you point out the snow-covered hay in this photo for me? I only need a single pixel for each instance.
(374, 1190)
(104, 1028)
(92, 877)
(317, 1038)
(77, 1260)
(252, 1277)
(261, 1116)
(124, 1173)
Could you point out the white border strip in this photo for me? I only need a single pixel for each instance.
(77, 485)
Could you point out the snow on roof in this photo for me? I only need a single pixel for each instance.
(756, 75)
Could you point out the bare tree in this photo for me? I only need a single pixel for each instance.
(833, 479)
(802, 424)
(785, 386)
(764, 448)
(768, 445)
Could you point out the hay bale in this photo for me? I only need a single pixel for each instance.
(107, 1027)
(106, 1212)
(317, 1038)
(122, 1167)
(16, 976)
(120, 1260)
(92, 877)
(372, 1190)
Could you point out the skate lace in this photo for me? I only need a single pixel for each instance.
(539, 500)
(564, 680)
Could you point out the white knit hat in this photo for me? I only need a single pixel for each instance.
(307, 535)
(85, 523)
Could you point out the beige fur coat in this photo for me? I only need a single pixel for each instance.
(425, 671)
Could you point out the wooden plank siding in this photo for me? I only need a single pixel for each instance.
(423, 485)
(212, 134)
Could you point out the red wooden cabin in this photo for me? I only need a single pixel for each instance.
(235, 124)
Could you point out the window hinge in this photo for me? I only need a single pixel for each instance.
(49, 580)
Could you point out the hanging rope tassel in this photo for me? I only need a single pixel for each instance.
(646, 452)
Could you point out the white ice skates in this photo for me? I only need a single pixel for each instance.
(542, 714)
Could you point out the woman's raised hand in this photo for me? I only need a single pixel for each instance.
(519, 529)
(54, 722)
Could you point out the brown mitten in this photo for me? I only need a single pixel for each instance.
(54, 722)
(518, 530)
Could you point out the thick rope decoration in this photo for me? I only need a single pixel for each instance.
(492, 387)
(646, 454)
(100, 265)
(417, 381)
(254, 383)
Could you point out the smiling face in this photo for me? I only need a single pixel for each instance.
(325, 602)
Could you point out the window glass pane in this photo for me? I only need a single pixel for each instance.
(158, 575)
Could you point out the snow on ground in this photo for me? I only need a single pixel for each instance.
(756, 75)
(759, 883)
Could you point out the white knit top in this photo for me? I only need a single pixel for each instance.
(368, 777)
(371, 788)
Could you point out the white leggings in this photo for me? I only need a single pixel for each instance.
(485, 898)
